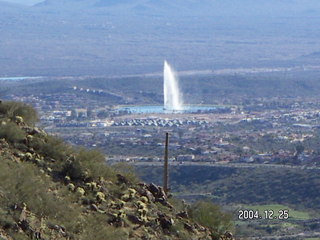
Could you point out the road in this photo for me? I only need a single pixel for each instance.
(283, 237)
(230, 165)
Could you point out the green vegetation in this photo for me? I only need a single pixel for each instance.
(252, 186)
(260, 188)
(51, 190)
(211, 216)
(12, 110)
(11, 132)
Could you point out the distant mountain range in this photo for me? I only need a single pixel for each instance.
(209, 7)
(74, 37)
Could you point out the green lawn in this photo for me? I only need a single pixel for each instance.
(293, 214)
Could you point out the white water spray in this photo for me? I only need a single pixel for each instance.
(172, 97)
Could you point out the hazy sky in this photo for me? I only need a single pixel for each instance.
(24, 2)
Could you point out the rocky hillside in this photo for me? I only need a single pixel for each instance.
(50, 190)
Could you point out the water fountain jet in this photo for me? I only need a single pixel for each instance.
(173, 101)
(172, 96)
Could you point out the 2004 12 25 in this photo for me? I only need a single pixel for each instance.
(250, 214)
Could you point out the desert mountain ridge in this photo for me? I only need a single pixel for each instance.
(50, 190)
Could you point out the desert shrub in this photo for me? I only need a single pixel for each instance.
(127, 170)
(84, 164)
(23, 183)
(93, 229)
(179, 230)
(94, 162)
(52, 147)
(74, 170)
(6, 220)
(11, 132)
(12, 109)
(211, 216)
(20, 236)
(178, 204)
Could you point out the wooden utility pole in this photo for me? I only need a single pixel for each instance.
(166, 173)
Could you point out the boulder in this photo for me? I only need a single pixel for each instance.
(146, 193)
(157, 191)
(134, 219)
(182, 214)
(165, 221)
(122, 179)
(188, 227)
